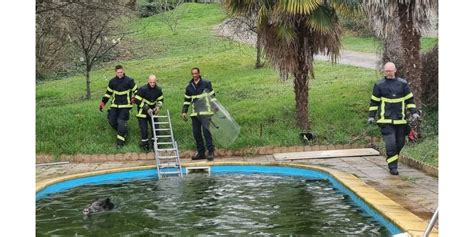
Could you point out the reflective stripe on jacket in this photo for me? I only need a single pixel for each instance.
(120, 91)
(390, 100)
(200, 96)
(148, 98)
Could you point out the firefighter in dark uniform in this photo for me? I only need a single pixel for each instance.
(391, 98)
(120, 90)
(200, 91)
(149, 99)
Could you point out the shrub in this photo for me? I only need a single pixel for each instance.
(429, 75)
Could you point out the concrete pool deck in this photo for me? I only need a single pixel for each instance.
(412, 189)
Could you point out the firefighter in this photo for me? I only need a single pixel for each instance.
(200, 95)
(149, 100)
(391, 98)
(120, 90)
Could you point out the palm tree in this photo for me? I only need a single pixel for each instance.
(405, 19)
(292, 32)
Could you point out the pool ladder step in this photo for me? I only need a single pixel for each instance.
(166, 163)
(170, 173)
(198, 169)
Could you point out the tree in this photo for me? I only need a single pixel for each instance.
(51, 41)
(170, 14)
(246, 27)
(53, 47)
(292, 32)
(94, 28)
(43, 6)
(414, 16)
(430, 77)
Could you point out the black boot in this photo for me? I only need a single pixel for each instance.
(120, 144)
(210, 156)
(152, 145)
(145, 147)
(198, 156)
(393, 171)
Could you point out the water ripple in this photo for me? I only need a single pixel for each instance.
(234, 204)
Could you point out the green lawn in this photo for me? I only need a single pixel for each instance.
(68, 124)
(427, 150)
(373, 45)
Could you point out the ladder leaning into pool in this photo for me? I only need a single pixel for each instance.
(165, 147)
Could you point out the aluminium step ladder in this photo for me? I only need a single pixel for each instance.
(165, 147)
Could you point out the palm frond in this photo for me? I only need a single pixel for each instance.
(322, 19)
(240, 7)
(382, 14)
(262, 15)
(293, 31)
(286, 33)
(347, 7)
(278, 51)
(297, 7)
(328, 43)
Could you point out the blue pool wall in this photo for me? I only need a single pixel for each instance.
(125, 176)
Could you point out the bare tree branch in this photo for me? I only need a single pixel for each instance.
(169, 13)
(92, 27)
(43, 6)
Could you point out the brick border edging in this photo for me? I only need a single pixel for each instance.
(419, 165)
(264, 150)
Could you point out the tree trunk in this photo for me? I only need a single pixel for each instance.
(411, 51)
(283, 74)
(258, 46)
(301, 97)
(393, 52)
(301, 82)
(88, 84)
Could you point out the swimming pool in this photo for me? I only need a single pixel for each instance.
(302, 173)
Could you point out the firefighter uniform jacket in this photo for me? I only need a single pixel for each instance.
(148, 98)
(390, 100)
(120, 90)
(201, 92)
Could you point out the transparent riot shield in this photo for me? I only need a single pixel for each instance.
(214, 117)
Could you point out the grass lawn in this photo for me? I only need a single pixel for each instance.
(258, 101)
(373, 45)
(427, 149)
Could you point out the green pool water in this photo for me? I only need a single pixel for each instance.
(225, 204)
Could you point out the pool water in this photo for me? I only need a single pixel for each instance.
(224, 204)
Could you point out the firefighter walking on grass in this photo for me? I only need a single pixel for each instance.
(391, 98)
(120, 90)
